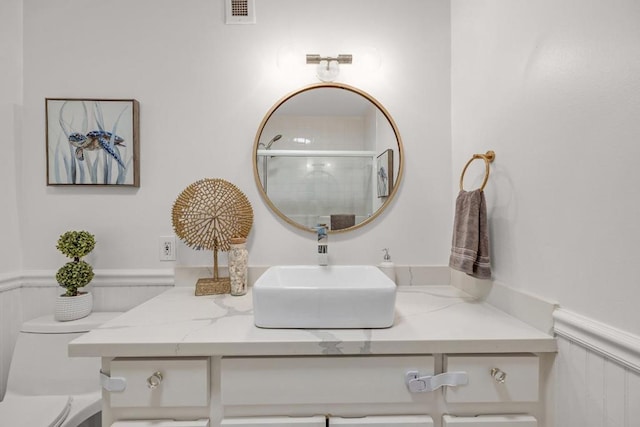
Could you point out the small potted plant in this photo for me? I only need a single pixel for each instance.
(74, 304)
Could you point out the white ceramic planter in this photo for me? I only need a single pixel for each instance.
(73, 308)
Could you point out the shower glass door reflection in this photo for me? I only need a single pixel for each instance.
(311, 189)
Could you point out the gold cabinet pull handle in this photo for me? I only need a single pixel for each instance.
(154, 380)
(498, 375)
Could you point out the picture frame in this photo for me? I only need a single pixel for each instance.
(92, 142)
(384, 172)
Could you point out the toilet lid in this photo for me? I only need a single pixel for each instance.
(48, 325)
(30, 411)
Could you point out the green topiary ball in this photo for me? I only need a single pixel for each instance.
(76, 244)
(74, 275)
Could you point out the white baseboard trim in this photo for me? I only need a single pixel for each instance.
(612, 343)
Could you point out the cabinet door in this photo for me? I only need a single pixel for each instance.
(317, 421)
(490, 421)
(161, 423)
(321, 380)
(498, 378)
(161, 382)
(384, 421)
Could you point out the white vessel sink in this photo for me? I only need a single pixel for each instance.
(321, 297)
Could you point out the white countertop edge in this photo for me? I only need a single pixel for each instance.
(429, 320)
(309, 349)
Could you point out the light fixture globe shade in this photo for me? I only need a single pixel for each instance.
(328, 71)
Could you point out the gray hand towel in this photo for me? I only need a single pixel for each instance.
(470, 246)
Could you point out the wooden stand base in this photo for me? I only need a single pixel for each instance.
(209, 286)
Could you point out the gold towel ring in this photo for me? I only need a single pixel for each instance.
(488, 158)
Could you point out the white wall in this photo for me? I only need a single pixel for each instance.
(10, 106)
(203, 88)
(10, 321)
(554, 88)
(10, 140)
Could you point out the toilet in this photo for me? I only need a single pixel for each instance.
(46, 388)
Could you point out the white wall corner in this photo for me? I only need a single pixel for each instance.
(531, 309)
(612, 343)
(422, 275)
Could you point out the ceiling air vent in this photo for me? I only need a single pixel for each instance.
(240, 12)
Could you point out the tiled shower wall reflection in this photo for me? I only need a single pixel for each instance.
(308, 189)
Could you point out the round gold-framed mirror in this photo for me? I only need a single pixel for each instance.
(329, 154)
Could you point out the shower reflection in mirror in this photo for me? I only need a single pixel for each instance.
(265, 159)
(318, 157)
(310, 185)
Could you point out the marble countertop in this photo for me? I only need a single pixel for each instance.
(429, 319)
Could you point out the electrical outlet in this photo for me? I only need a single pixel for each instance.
(167, 248)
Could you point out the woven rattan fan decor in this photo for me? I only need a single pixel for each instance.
(206, 215)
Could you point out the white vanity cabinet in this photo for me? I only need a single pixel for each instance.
(161, 423)
(494, 378)
(355, 390)
(320, 391)
(161, 382)
(362, 390)
(516, 420)
(192, 361)
(323, 421)
(507, 383)
(156, 392)
(344, 380)
(315, 421)
(384, 421)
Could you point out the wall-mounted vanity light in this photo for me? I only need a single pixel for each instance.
(328, 67)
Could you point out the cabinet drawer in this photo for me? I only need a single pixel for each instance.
(320, 421)
(512, 378)
(321, 380)
(161, 423)
(316, 421)
(490, 421)
(384, 421)
(181, 382)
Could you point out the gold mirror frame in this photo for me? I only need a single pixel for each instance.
(397, 178)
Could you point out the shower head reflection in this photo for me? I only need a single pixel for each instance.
(274, 139)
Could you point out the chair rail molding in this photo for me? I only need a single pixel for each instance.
(612, 343)
(142, 277)
(10, 281)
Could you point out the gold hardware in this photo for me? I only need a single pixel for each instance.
(488, 158)
(498, 375)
